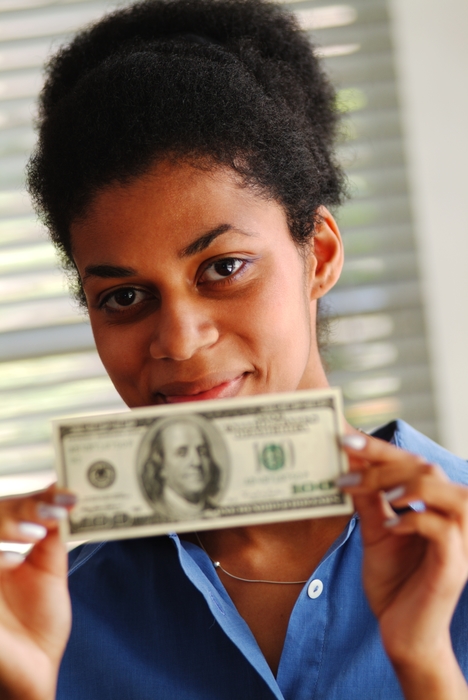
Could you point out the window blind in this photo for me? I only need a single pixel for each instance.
(377, 349)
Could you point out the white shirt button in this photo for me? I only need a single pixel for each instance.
(315, 588)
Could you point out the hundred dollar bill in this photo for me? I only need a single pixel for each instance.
(203, 465)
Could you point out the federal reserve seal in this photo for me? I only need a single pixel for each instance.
(101, 474)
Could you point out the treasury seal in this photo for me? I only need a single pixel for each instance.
(101, 474)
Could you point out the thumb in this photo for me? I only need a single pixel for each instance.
(50, 554)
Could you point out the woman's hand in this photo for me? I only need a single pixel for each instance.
(415, 563)
(35, 614)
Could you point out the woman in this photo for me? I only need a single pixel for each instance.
(184, 171)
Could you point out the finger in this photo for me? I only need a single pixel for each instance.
(42, 518)
(391, 476)
(365, 451)
(358, 464)
(373, 513)
(355, 460)
(50, 554)
(27, 519)
(10, 559)
(441, 531)
(437, 494)
(376, 451)
(53, 495)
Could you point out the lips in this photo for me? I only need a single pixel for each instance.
(219, 386)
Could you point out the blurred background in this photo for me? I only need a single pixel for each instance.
(399, 334)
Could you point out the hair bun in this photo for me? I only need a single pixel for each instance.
(231, 82)
(261, 34)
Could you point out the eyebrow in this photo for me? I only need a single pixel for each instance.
(201, 243)
(197, 246)
(108, 271)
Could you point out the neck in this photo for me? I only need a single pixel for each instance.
(277, 551)
(281, 534)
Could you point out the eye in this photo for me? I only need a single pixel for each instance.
(220, 269)
(123, 298)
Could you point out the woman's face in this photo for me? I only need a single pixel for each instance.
(196, 290)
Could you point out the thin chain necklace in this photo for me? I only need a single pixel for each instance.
(217, 565)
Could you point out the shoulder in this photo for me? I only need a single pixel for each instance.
(403, 435)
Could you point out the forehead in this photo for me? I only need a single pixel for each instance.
(181, 433)
(166, 207)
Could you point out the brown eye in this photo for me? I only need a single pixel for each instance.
(125, 297)
(226, 267)
(222, 268)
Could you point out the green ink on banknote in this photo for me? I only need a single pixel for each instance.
(313, 486)
(272, 457)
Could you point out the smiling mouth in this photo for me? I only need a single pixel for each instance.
(180, 393)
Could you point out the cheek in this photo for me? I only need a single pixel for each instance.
(172, 467)
(281, 319)
(121, 351)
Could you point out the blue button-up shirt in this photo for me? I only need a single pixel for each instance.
(152, 621)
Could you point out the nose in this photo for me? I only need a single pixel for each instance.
(194, 460)
(183, 328)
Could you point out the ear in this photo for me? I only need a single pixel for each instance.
(326, 255)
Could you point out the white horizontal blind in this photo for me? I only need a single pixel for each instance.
(378, 348)
(48, 364)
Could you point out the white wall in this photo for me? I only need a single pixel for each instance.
(431, 43)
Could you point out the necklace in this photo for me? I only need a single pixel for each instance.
(217, 565)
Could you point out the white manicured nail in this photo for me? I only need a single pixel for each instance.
(394, 494)
(11, 558)
(417, 506)
(48, 512)
(350, 479)
(355, 442)
(32, 531)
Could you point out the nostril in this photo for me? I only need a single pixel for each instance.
(179, 337)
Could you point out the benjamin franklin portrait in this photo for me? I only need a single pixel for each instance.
(180, 477)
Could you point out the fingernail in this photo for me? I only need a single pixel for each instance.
(355, 442)
(47, 512)
(12, 558)
(394, 494)
(65, 499)
(350, 479)
(417, 506)
(32, 531)
(391, 522)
